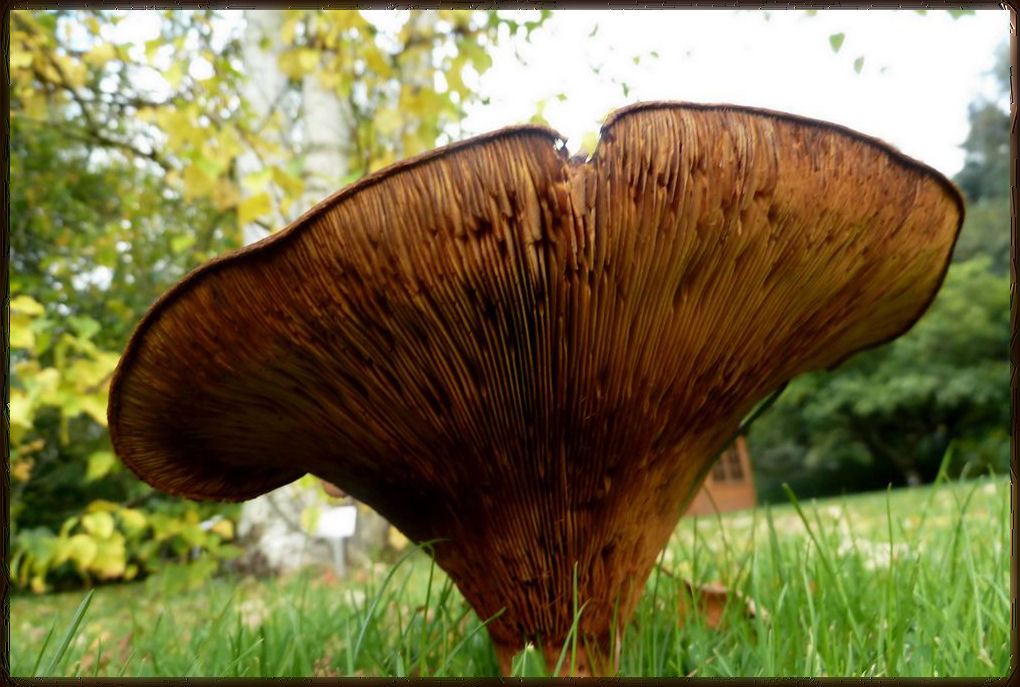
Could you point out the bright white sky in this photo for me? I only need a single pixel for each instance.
(919, 74)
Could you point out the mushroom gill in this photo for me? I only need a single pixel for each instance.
(531, 358)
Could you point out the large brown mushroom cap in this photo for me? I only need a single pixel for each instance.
(535, 359)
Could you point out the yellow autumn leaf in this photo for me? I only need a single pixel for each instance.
(307, 59)
(228, 144)
(455, 78)
(110, 560)
(80, 548)
(20, 59)
(287, 31)
(481, 60)
(176, 125)
(196, 182)
(289, 65)
(377, 64)
(211, 160)
(108, 361)
(99, 524)
(253, 207)
(225, 194)
(174, 74)
(396, 539)
(329, 79)
(34, 105)
(21, 409)
(256, 181)
(27, 305)
(412, 144)
(99, 464)
(309, 518)
(408, 99)
(88, 375)
(387, 121)
(73, 71)
(44, 386)
(179, 244)
(132, 520)
(21, 470)
(224, 528)
(100, 54)
(387, 158)
(146, 114)
(308, 481)
(21, 335)
(292, 186)
(94, 405)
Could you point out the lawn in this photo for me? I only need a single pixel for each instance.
(910, 582)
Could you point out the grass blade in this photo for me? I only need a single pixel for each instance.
(465, 638)
(46, 643)
(72, 631)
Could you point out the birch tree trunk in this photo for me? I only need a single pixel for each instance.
(326, 128)
(265, 90)
(271, 525)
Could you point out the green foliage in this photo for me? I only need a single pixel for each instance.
(111, 541)
(124, 158)
(98, 231)
(891, 413)
(985, 233)
(984, 178)
(985, 171)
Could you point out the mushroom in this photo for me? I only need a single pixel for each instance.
(533, 359)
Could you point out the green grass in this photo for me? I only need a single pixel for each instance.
(913, 582)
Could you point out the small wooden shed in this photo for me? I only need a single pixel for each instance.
(729, 485)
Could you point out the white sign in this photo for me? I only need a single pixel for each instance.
(337, 523)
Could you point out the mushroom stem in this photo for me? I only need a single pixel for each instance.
(593, 658)
(534, 580)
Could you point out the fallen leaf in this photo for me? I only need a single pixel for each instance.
(711, 600)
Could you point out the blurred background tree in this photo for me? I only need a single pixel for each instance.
(133, 161)
(984, 178)
(99, 229)
(889, 415)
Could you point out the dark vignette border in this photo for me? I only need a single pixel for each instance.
(1014, 349)
(7, 5)
(5, 351)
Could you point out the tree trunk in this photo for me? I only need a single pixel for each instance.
(327, 128)
(324, 133)
(264, 89)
